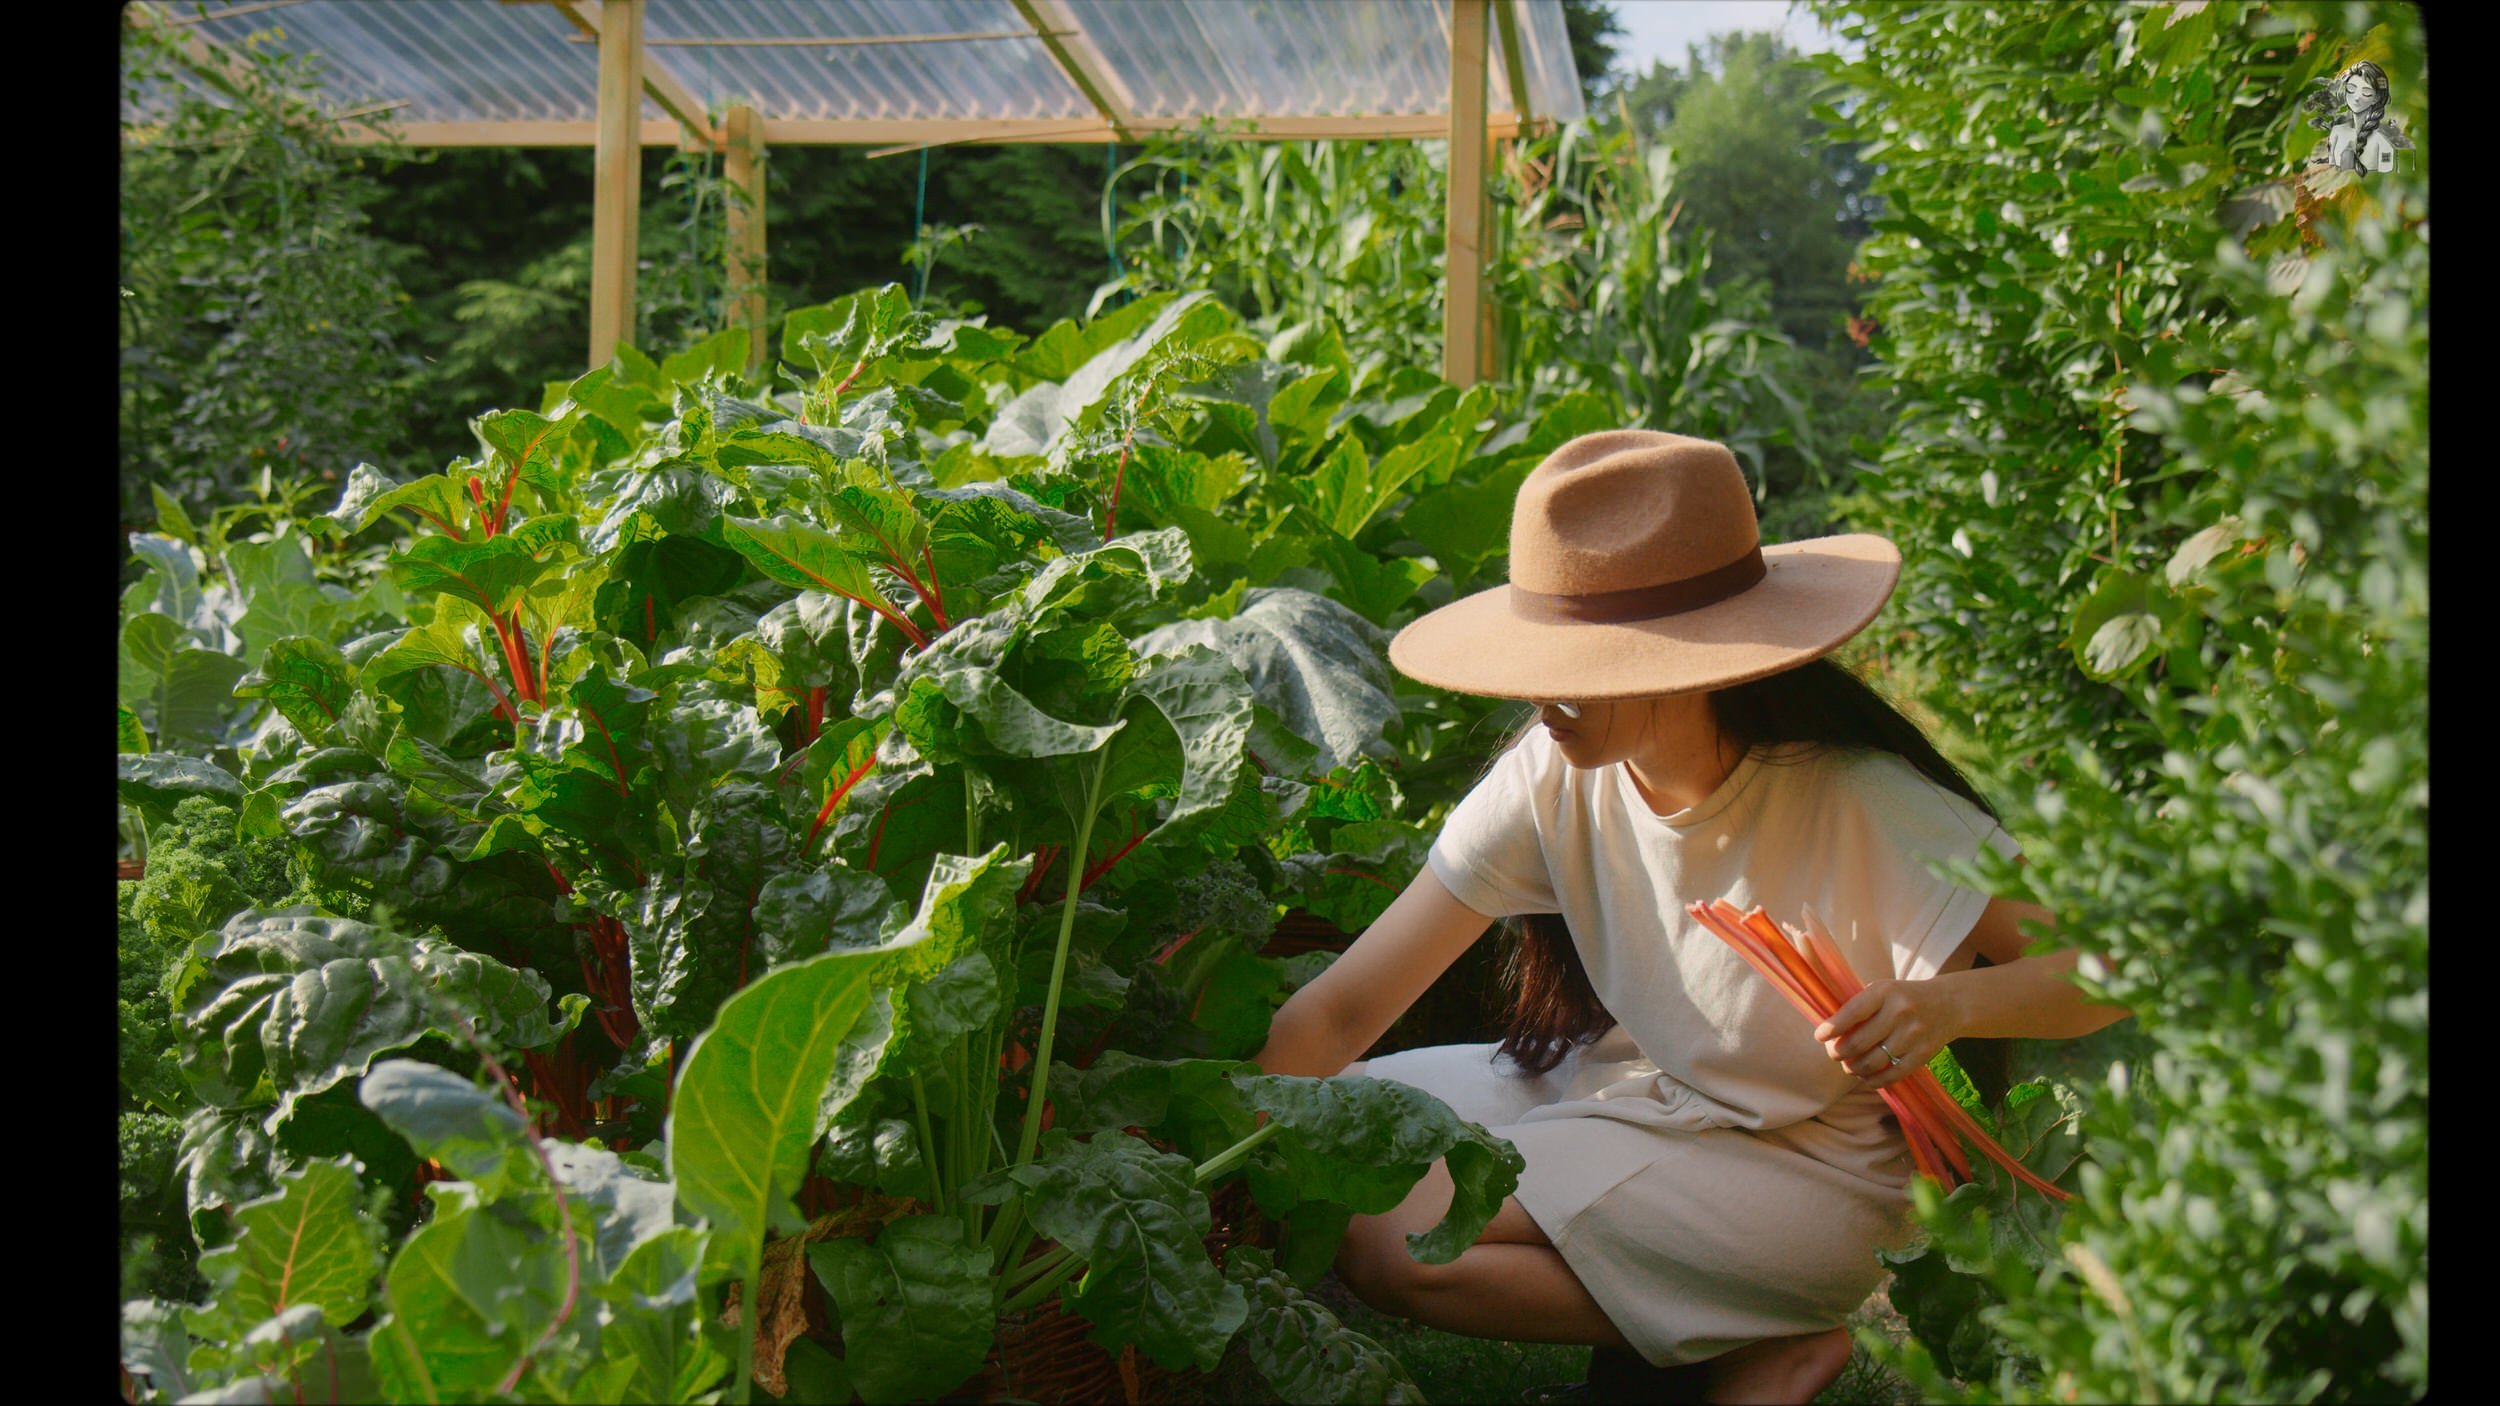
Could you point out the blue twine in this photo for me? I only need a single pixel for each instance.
(920, 202)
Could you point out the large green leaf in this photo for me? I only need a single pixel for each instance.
(226, 1158)
(654, 1321)
(175, 574)
(675, 497)
(305, 679)
(1190, 1101)
(797, 552)
(1316, 664)
(800, 914)
(468, 1294)
(447, 1118)
(155, 1348)
(1348, 489)
(750, 1098)
(309, 1244)
(285, 1004)
(970, 711)
(917, 1306)
(187, 691)
(1302, 1349)
(370, 493)
(1039, 420)
(489, 574)
(1140, 1223)
(1205, 708)
(156, 782)
(1363, 1143)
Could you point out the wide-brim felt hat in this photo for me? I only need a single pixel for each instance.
(1637, 571)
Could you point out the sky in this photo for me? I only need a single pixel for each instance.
(1658, 30)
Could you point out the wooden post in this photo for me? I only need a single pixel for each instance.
(1462, 309)
(1497, 238)
(745, 169)
(616, 211)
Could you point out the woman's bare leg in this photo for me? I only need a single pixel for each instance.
(1779, 1369)
(1513, 1284)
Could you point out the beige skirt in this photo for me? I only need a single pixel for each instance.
(1693, 1242)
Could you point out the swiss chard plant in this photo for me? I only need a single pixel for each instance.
(853, 801)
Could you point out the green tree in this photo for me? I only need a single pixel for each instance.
(1753, 168)
(1592, 25)
(261, 323)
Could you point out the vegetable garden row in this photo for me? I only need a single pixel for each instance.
(819, 801)
(768, 883)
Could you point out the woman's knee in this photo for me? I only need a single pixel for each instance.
(1374, 1262)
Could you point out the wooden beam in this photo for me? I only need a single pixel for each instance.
(912, 133)
(616, 210)
(815, 41)
(661, 84)
(1514, 63)
(908, 134)
(1082, 62)
(1462, 308)
(744, 160)
(533, 132)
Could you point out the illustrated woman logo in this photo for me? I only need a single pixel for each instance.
(2351, 109)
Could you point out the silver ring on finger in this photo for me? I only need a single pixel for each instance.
(1888, 1054)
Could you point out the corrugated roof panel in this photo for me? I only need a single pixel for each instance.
(482, 60)
(454, 60)
(1271, 58)
(1278, 58)
(962, 78)
(1553, 77)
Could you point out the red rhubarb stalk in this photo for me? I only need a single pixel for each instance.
(1810, 971)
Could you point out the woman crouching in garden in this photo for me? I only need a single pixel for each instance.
(1707, 1179)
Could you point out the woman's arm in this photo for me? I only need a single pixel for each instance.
(1326, 1025)
(2018, 996)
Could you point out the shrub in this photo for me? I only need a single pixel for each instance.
(2162, 481)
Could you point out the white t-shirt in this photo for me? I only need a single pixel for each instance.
(1851, 832)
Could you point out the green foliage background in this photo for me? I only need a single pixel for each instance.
(2161, 477)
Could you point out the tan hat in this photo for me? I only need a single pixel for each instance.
(1637, 570)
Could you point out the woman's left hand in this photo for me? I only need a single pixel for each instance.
(1889, 1030)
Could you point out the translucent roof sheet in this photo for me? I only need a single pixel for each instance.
(467, 61)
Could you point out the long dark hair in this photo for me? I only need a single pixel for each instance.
(1554, 1009)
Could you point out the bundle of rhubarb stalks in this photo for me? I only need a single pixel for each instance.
(1810, 971)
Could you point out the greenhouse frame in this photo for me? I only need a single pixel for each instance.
(904, 75)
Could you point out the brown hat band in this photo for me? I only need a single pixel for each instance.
(1643, 602)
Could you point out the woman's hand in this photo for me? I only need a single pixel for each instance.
(1890, 1030)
